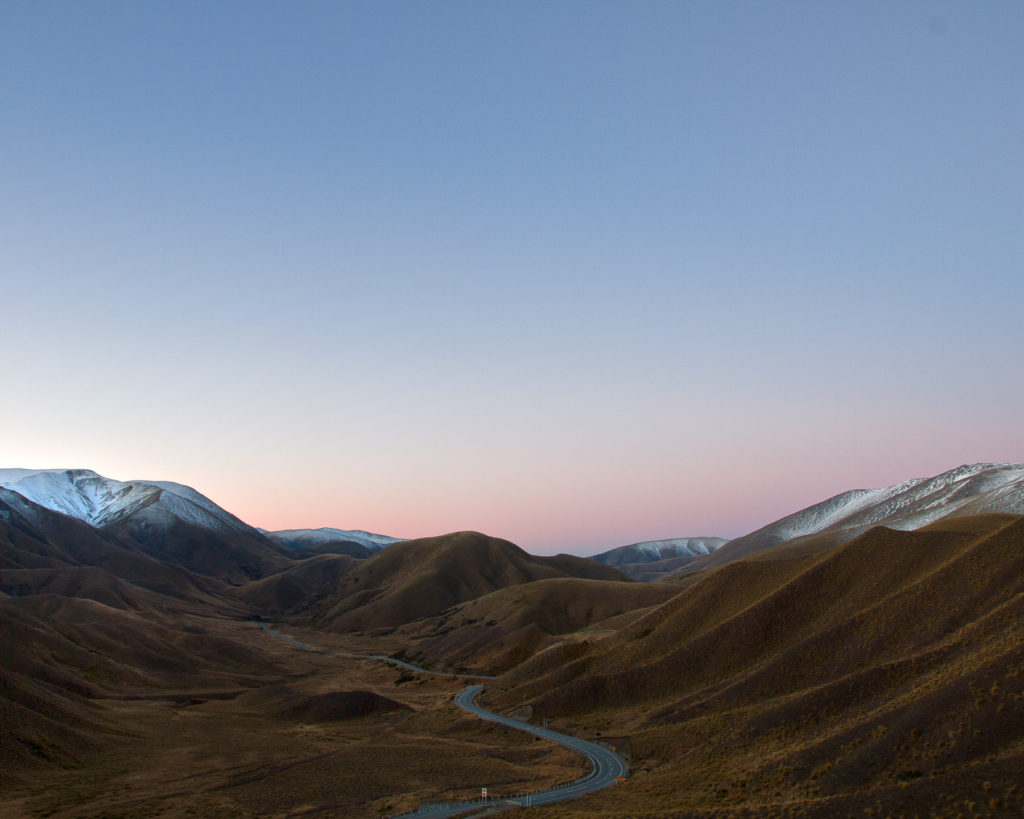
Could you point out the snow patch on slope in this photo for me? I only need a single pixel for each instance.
(966, 490)
(311, 538)
(650, 551)
(82, 494)
(99, 501)
(911, 504)
(677, 547)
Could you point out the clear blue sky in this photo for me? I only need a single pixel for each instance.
(575, 274)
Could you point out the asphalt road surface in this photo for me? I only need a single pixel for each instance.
(606, 767)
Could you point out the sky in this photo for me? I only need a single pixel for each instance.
(575, 274)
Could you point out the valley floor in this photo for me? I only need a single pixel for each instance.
(205, 752)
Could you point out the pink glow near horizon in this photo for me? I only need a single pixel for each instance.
(727, 504)
(610, 308)
(571, 478)
(722, 500)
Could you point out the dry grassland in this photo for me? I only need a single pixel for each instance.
(881, 678)
(235, 752)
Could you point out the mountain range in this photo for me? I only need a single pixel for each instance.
(966, 490)
(969, 489)
(327, 539)
(860, 655)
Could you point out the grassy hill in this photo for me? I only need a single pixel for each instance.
(494, 632)
(879, 675)
(422, 578)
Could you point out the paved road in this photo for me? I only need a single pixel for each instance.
(606, 766)
(381, 657)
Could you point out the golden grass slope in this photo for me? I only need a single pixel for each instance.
(494, 632)
(882, 675)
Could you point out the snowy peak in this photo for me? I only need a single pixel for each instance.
(80, 493)
(913, 503)
(100, 501)
(650, 551)
(966, 490)
(312, 538)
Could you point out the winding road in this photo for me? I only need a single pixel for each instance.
(607, 767)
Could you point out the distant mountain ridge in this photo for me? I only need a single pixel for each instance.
(318, 538)
(649, 551)
(166, 520)
(147, 510)
(966, 490)
(971, 489)
(100, 501)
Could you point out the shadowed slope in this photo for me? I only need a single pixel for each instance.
(228, 555)
(296, 584)
(61, 656)
(85, 616)
(284, 702)
(44, 552)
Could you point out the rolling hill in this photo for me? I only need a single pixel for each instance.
(864, 656)
(421, 578)
(493, 633)
(304, 580)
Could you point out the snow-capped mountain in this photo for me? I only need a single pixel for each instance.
(649, 551)
(312, 538)
(101, 502)
(170, 521)
(966, 490)
(167, 521)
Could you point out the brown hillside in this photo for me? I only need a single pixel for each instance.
(583, 567)
(285, 702)
(86, 582)
(332, 547)
(882, 675)
(656, 569)
(58, 542)
(235, 557)
(421, 578)
(64, 658)
(298, 583)
(496, 631)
